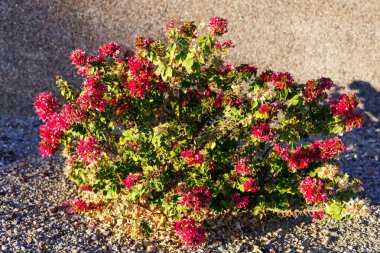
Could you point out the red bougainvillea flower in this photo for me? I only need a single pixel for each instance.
(299, 159)
(242, 168)
(142, 72)
(211, 165)
(224, 45)
(78, 57)
(264, 109)
(51, 133)
(250, 186)
(86, 188)
(263, 132)
(269, 109)
(218, 102)
(131, 180)
(92, 60)
(141, 42)
(88, 149)
(189, 233)
(315, 89)
(321, 150)
(281, 79)
(191, 157)
(240, 201)
(73, 114)
(111, 49)
(199, 197)
(281, 151)
(354, 119)
(45, 105)
(47, 149)
(345, 107)
(93, 95)
(81, 205)
(78, 205)
(318, 215)
(218, 26)
(329, 148)
(247, 68)
(265, 76)
(169, 25)
(313, 191)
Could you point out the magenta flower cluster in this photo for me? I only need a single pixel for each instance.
(111, 49)
(263, 132)
(199, 197)
(189, 233)
(240, 201)
(313, 190)
(242, 167)
(79, 205)
(191, 157)
(345, 107)
(131, 180)
(301, 157)
(141, 71)
(279, 79)
(45, 105)
(218, 26)
(93, 95)
(88, 149)
(315, 90)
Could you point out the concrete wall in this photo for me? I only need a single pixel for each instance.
(338, 39)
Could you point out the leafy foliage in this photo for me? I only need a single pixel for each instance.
(170, 128)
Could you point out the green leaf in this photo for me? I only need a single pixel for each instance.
(160, 68)
(294, 100)
(172, 47)
(188, 62)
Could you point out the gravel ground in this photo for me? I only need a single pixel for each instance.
(32, 190)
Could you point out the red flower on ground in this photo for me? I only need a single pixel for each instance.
(318, 215)
(189, 232)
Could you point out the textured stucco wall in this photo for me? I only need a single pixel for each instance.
(338, 39)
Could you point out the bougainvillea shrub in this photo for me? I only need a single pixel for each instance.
(160, 136)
